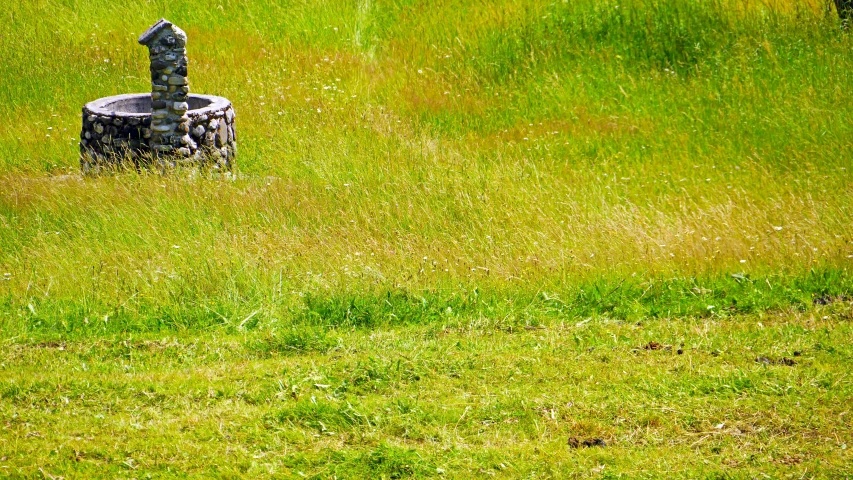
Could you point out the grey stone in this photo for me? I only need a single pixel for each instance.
(99, 128)
(198, 131)
(154, 30)
(188, 141)
(221, 137)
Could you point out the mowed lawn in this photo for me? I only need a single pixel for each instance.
(519, 239)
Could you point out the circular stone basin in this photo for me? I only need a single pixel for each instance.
(117, 128)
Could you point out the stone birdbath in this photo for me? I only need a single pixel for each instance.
(169, 126)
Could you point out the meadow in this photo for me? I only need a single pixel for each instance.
(515, 239)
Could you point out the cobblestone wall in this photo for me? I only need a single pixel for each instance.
(119, 129)
(213, 135)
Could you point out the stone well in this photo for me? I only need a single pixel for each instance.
(168, 126)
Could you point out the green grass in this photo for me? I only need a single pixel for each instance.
(463, 220)
(466, 397)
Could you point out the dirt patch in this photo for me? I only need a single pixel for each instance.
(587, 443)
(829, 299)
(56, 345)
(789, 460)
(655, 346)
(781, 361)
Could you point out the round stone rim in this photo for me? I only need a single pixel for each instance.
(101, 105)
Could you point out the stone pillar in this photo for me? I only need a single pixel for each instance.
(170, 125)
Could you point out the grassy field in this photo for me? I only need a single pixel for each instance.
(463, 239)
